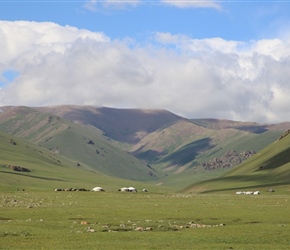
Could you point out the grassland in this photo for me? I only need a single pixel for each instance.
(80, 143)
(114, 220)
(49, 170)
(33, 216)
(100, 138)
(270, 167)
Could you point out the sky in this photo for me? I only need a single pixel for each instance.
(197, 59)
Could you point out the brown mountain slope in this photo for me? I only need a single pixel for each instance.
(124, 125)
(161, 138)
(251, 127)
(84, 144)
(33, 126)
(182, 137)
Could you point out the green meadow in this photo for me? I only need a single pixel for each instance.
(117, 220)
(181, 211)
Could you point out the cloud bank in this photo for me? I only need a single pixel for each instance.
(194, 78)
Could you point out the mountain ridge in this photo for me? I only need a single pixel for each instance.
(157, 143)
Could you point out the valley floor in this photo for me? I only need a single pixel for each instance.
(115, 220)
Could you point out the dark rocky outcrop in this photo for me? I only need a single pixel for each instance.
(284, 135)
(228, 160)
(18, 168)
(12, 142)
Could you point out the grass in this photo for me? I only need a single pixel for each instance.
(82, 144)
(49, 170)
(269, 167)
(178, 144)
(108, 220)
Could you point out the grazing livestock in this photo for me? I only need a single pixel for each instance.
(145, 190)
(70, 189)
(98, 189)
(80, 189)
(256, 193)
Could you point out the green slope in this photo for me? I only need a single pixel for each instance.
(180, 164)
(86, 146)
(269, 167)
(81, 143)
(168, 142)
(131, 143)
(49, 170)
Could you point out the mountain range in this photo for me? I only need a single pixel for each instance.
(152, 146)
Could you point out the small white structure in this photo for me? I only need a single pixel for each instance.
(248, 192)
(132, 189)
(127, 189)
(98, 189)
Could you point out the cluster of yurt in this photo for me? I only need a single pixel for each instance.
(127, 189)
(123, 189)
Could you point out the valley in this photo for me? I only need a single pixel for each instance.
(152, 146)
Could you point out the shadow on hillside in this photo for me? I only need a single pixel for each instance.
(33, 176)
(247, 188)
(123, 124)
(261, 182)
(253, 129)
(276, 161)
(188, 152)
(150, 156)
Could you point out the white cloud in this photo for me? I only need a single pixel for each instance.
(190, 77)
(21, 37)
(94, 5)
(192, 3)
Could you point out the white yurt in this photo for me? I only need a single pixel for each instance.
(132, 189)
(98, 189)
(124, 189)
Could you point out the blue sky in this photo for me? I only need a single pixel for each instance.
(236, 20)
(218, 59)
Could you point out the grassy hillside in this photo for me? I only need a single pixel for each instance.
(81, 143)
(84, 145)
(216, 124)
(269, 168)
(145, 145)
(124, 125)
(49, 170)
(168, 142)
